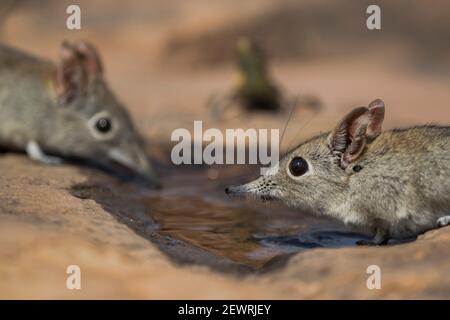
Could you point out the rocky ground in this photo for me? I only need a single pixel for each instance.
(45, 228)
(53, 217)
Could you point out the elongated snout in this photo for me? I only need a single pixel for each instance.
(234, 190)
(134, 158)
(259, 187)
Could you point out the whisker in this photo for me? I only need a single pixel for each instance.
(303, 126)
(293, 107)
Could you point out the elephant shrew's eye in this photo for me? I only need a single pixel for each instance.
(298, 166)
(103, 125)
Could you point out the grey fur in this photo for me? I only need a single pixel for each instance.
(402, 190)
(51, 107)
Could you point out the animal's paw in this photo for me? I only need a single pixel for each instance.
(35, 152)
(443, 221)
(51, 160)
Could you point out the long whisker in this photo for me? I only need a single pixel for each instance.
(303, 126)
(293, 107)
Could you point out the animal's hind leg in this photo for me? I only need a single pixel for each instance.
(35, 152)
(443, 221)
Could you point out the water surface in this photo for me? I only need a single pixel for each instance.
(193, 221)
(194, 209)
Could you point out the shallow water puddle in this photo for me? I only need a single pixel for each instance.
(193, 221)
(249, 236)
(248, 232)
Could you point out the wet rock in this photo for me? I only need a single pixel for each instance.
(45, 228)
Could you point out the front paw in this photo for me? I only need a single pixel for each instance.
(443, 221)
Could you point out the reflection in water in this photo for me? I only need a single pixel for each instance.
(316, 239)
(193, 221)
(245, 231)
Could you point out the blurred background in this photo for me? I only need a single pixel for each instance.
(154, 49)
(165, 59)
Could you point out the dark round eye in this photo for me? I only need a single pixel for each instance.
(103, 125)
(298, 166)
(357, 168)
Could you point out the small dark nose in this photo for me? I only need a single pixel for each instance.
(233, 190)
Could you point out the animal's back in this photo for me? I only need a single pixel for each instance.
(429, 158)
(406, 177)
(423, 149)
(14, 61)
(24, 86)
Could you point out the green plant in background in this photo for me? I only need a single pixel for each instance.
(255, 88)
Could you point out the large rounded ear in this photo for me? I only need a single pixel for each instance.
(375, 121)
(351, 135)
(90, 58)
(79, 63)
(70, 76)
